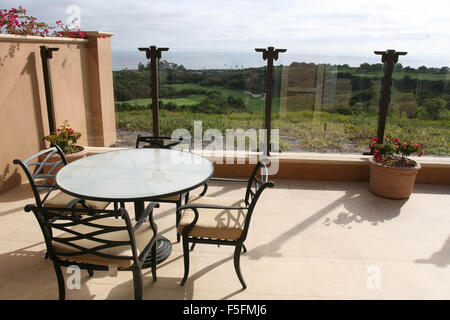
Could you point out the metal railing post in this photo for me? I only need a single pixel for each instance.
(154, 54)
(389, 59)
(270, 54)
(46, 55)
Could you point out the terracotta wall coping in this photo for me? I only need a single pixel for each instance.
(102, 33)
(314, 158)
(37, 39)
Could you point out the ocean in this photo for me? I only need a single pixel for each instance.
(238, 60)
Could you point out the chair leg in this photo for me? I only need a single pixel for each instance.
(237, 256)
(245, 249)
(137, 281)
(90, 272)
(186, 260)
(193, 246)
(178, 218)
(60, 277)
(153, 252)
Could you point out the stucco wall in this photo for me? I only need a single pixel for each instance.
(81, 72)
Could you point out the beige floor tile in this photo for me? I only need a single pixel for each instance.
(285, 245)
(19, 231)
(101, 291)
(441, 228)
(436, 253)
(307, 240)
(416, 228)
(245, 295)
(212, 273)
(406, 280)
(330, 247)
(288, 276)
(381, 249)
(341, 279)
(36, 288)
(24, 260)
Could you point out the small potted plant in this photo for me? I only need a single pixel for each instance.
(66, 138)
(392, 173)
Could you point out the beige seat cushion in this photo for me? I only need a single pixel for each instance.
(215, 223)
(142, 236)
(171, 198)
(61, 199)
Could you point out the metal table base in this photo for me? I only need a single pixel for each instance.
(163, 251)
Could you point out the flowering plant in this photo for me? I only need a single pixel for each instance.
(394, 153)
(66, 32)
(17, 21)
(65, 137)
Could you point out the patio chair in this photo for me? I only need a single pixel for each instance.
(222, 221)
(164, 142)
(34, 169)
(98, 240)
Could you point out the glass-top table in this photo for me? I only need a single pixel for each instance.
(135, 175)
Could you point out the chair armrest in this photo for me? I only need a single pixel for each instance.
(229, 179)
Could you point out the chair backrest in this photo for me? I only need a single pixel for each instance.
(258, 182)
(97, 228)
(41, 172)
(155, 142)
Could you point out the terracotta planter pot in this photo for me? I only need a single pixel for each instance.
(70, 157)
(392, 182)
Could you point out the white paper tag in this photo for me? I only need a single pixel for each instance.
(112, 270)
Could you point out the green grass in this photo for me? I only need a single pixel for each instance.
(252, 103)
(303, 130)
(190, 100)
(300, 128)
(396, 75)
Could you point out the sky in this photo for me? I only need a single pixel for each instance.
(309, 27)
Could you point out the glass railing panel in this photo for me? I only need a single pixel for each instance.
(213, 95)
(326, 104)
(420, 104)
(132, 97)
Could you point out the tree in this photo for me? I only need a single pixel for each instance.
(422, 69)
(432, 108)
(141, 66)
(444, 70)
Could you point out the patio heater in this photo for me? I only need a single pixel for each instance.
(270, 54)
(389, 59)
(46, 55)
(154, 54)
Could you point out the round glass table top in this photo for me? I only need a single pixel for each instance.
(134, 174)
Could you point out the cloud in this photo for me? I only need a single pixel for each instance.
(309, 26)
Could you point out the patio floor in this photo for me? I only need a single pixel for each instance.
(307, 240)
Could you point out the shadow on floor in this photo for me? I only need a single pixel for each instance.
(359, 211)
(21, 192)
(439, 258)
